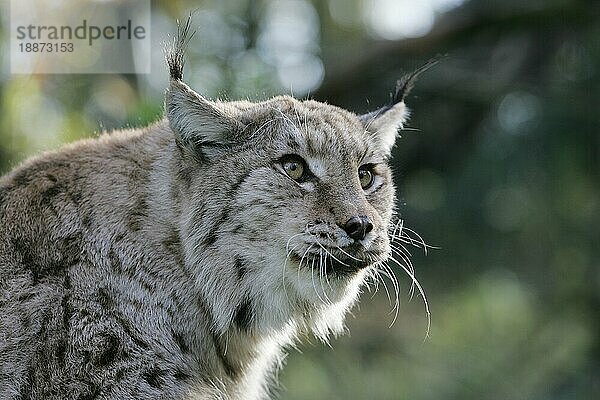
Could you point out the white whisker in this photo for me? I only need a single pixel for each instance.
(421, 291)
(348, 254)
(409, 265)
(399, 225)
(331, 255)
(380, 278)
(323, 272)
(387, 272)
(312, 275)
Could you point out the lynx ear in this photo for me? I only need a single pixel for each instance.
(388, 120)
(385, 124)
(196, 121)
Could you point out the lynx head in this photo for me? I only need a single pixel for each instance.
(290, 202)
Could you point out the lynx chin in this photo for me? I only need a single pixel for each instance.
(179, 260)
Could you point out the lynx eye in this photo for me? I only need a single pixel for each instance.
(294, 166)
(366, 176)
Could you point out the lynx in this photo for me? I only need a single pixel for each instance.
(179, 260)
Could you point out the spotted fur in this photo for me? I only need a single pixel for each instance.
(177, 261)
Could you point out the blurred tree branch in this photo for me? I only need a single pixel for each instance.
(452, 30)
(473, 74)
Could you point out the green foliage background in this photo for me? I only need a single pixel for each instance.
(500, 168)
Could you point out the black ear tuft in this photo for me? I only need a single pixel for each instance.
(405, 84)
(389, 119)
(175, 54)
(403, 87)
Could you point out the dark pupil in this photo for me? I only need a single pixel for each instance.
(293, 166)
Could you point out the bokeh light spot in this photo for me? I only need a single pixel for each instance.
(517, 111)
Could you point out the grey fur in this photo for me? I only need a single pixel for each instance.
(175, 261)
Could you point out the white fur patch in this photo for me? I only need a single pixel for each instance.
(317, 167)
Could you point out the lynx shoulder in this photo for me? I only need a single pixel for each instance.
(177, 261)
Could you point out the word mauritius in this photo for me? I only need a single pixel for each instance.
(82, 32)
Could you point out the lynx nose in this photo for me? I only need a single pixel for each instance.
(357, 227)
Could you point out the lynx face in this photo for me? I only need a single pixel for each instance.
(338, 199)
(290, 200)
(308, 192)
